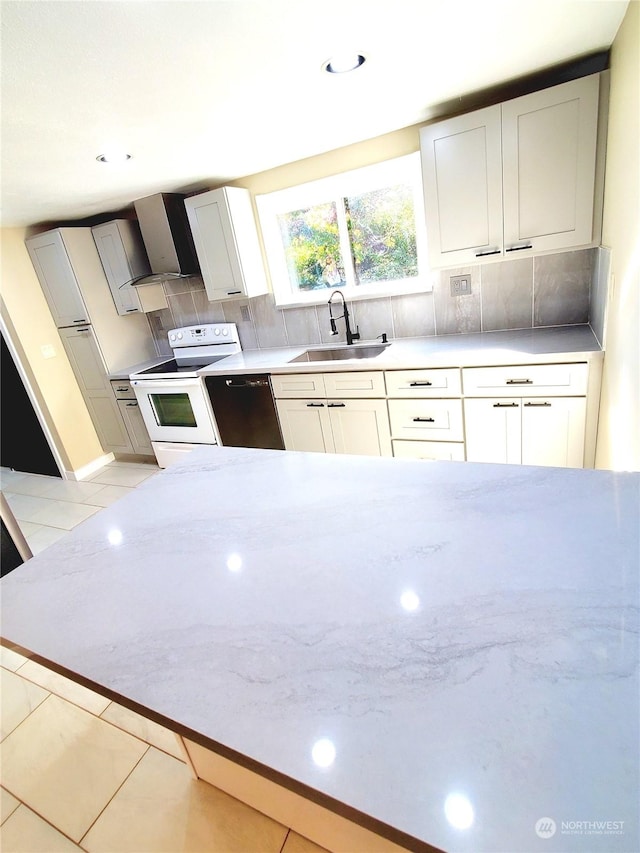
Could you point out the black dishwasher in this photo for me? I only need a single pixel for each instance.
(244, 411)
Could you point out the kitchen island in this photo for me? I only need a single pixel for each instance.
(444, 654)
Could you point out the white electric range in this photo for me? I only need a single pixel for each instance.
(172, 397)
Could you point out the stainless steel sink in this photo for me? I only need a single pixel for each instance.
(344, 353)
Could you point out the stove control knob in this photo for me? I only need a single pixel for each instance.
(172, 337)
(179, 336)
(216, 331)
(225, 331)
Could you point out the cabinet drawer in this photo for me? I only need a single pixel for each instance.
(122, 389)
(437, 420)
(298, 385)
(355, 384)
(433, 450)
(442, 382)
(545, 379)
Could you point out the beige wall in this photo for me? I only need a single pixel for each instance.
(395, 144)
(30, 326)
(619, 425)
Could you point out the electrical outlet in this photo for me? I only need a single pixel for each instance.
(460, 285)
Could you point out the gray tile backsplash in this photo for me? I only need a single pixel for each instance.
(562, 287)
(507, 295)
(455, 314)
(549, 290)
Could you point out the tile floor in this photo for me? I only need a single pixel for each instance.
(80, 772)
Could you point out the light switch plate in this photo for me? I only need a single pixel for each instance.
(460, 285)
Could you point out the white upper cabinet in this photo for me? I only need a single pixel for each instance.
(123, 258)
(226, 239)
(58, 278)
(462, 175)
(518, 177)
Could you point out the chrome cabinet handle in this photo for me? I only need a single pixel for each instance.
(518, 248)
(233, 292)
(538, 404)
(315, 405)
(419, 384)
(131, 404)
(486, 254)
(336, 405)
(505, 405)
(80, 321)
(519, 382)
(423, 420)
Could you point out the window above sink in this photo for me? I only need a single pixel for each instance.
(361, 231)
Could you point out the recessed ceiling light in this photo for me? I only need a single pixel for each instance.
(113, 157)
(343, 62)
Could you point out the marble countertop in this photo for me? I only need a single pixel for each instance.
(521, 346)
(449, 648)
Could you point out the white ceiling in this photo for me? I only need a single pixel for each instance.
(204, 92)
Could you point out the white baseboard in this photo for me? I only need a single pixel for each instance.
(91, 468)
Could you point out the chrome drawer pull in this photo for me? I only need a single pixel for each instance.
(519, 382)
(336, 405)
(538, 404)
(131, 404)
(486, 254)
(419, 384)
(505, 405)
(423, 420)
(518, 248)
(317, 405)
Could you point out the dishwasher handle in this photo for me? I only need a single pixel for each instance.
(246, 383)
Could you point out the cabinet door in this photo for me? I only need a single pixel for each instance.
(553, 431)
(117, 266)
(226, 240)
(305, 425)
(462, 176)
(493, 430)
(136, 429)
(89, 369)
(57, 278)
(360, 427)
(549, 159)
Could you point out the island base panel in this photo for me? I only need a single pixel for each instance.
(318, 824)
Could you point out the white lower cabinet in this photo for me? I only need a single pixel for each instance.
(305, 425)
(425, 413)
(547, 427)
(132, 417)
(353, 423)
(118, 423)
(528, 431)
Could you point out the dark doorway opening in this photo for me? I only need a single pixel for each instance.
(23, 444)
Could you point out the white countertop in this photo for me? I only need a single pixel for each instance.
(452, 628)
(521, 346)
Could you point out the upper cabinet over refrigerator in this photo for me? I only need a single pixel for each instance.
(225, 234)
(515, 178)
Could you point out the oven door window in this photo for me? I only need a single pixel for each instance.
(173, 410)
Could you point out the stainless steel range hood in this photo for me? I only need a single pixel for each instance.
(167, 238)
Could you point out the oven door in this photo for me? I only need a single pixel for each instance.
(176, 410)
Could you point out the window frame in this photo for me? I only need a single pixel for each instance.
(404, 169)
